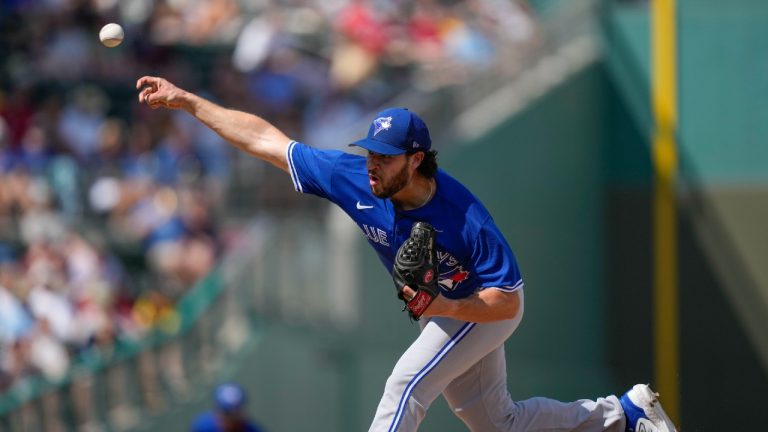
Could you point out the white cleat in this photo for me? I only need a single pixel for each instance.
(644, 412)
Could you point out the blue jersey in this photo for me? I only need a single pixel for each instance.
(471, 251)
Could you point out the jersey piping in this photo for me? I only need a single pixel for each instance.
(291, 168)
(513, 288)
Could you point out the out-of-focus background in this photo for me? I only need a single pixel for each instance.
(620, 146)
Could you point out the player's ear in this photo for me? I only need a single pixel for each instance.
(417, 158)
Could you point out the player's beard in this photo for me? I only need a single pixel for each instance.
(398, 182)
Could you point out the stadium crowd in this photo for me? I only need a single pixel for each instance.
(86, 174)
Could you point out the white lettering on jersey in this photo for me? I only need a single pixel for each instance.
(376, 235)
(447, 259)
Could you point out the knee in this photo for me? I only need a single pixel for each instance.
(399, 378)
(481, 414)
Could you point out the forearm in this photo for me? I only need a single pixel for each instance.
(246, 132)
(484, 306)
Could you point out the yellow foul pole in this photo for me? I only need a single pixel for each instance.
(665, 161)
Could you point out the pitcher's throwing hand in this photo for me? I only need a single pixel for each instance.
(159, 93)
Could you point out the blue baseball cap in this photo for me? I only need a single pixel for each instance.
(229, 397)
(396, 131)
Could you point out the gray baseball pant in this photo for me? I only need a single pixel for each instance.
(465, 362)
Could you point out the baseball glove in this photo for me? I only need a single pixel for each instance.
(416, 266)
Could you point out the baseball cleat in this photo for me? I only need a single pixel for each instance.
(643, 411)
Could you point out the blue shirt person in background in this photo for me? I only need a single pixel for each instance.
(229, 415)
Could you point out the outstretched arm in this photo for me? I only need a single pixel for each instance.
(247, 132)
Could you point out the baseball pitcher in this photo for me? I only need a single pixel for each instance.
(450, 264)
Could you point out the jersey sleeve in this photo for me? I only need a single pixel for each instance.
(495, 264)
(311, 169)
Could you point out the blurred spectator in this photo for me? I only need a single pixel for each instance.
(39, 220)
(47, 353)
(81, 121)
(195, 22)
(229, 414)
(363, 38)
(15, 319)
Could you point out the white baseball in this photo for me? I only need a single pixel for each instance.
(111, 35)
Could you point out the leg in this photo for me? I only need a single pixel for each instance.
(542, 414)
(479, 397)
(444, 350)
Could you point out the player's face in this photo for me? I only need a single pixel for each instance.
(387, 175)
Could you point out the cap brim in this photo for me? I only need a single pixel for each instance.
(378, 147)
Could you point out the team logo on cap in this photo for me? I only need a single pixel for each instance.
(381, 123)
